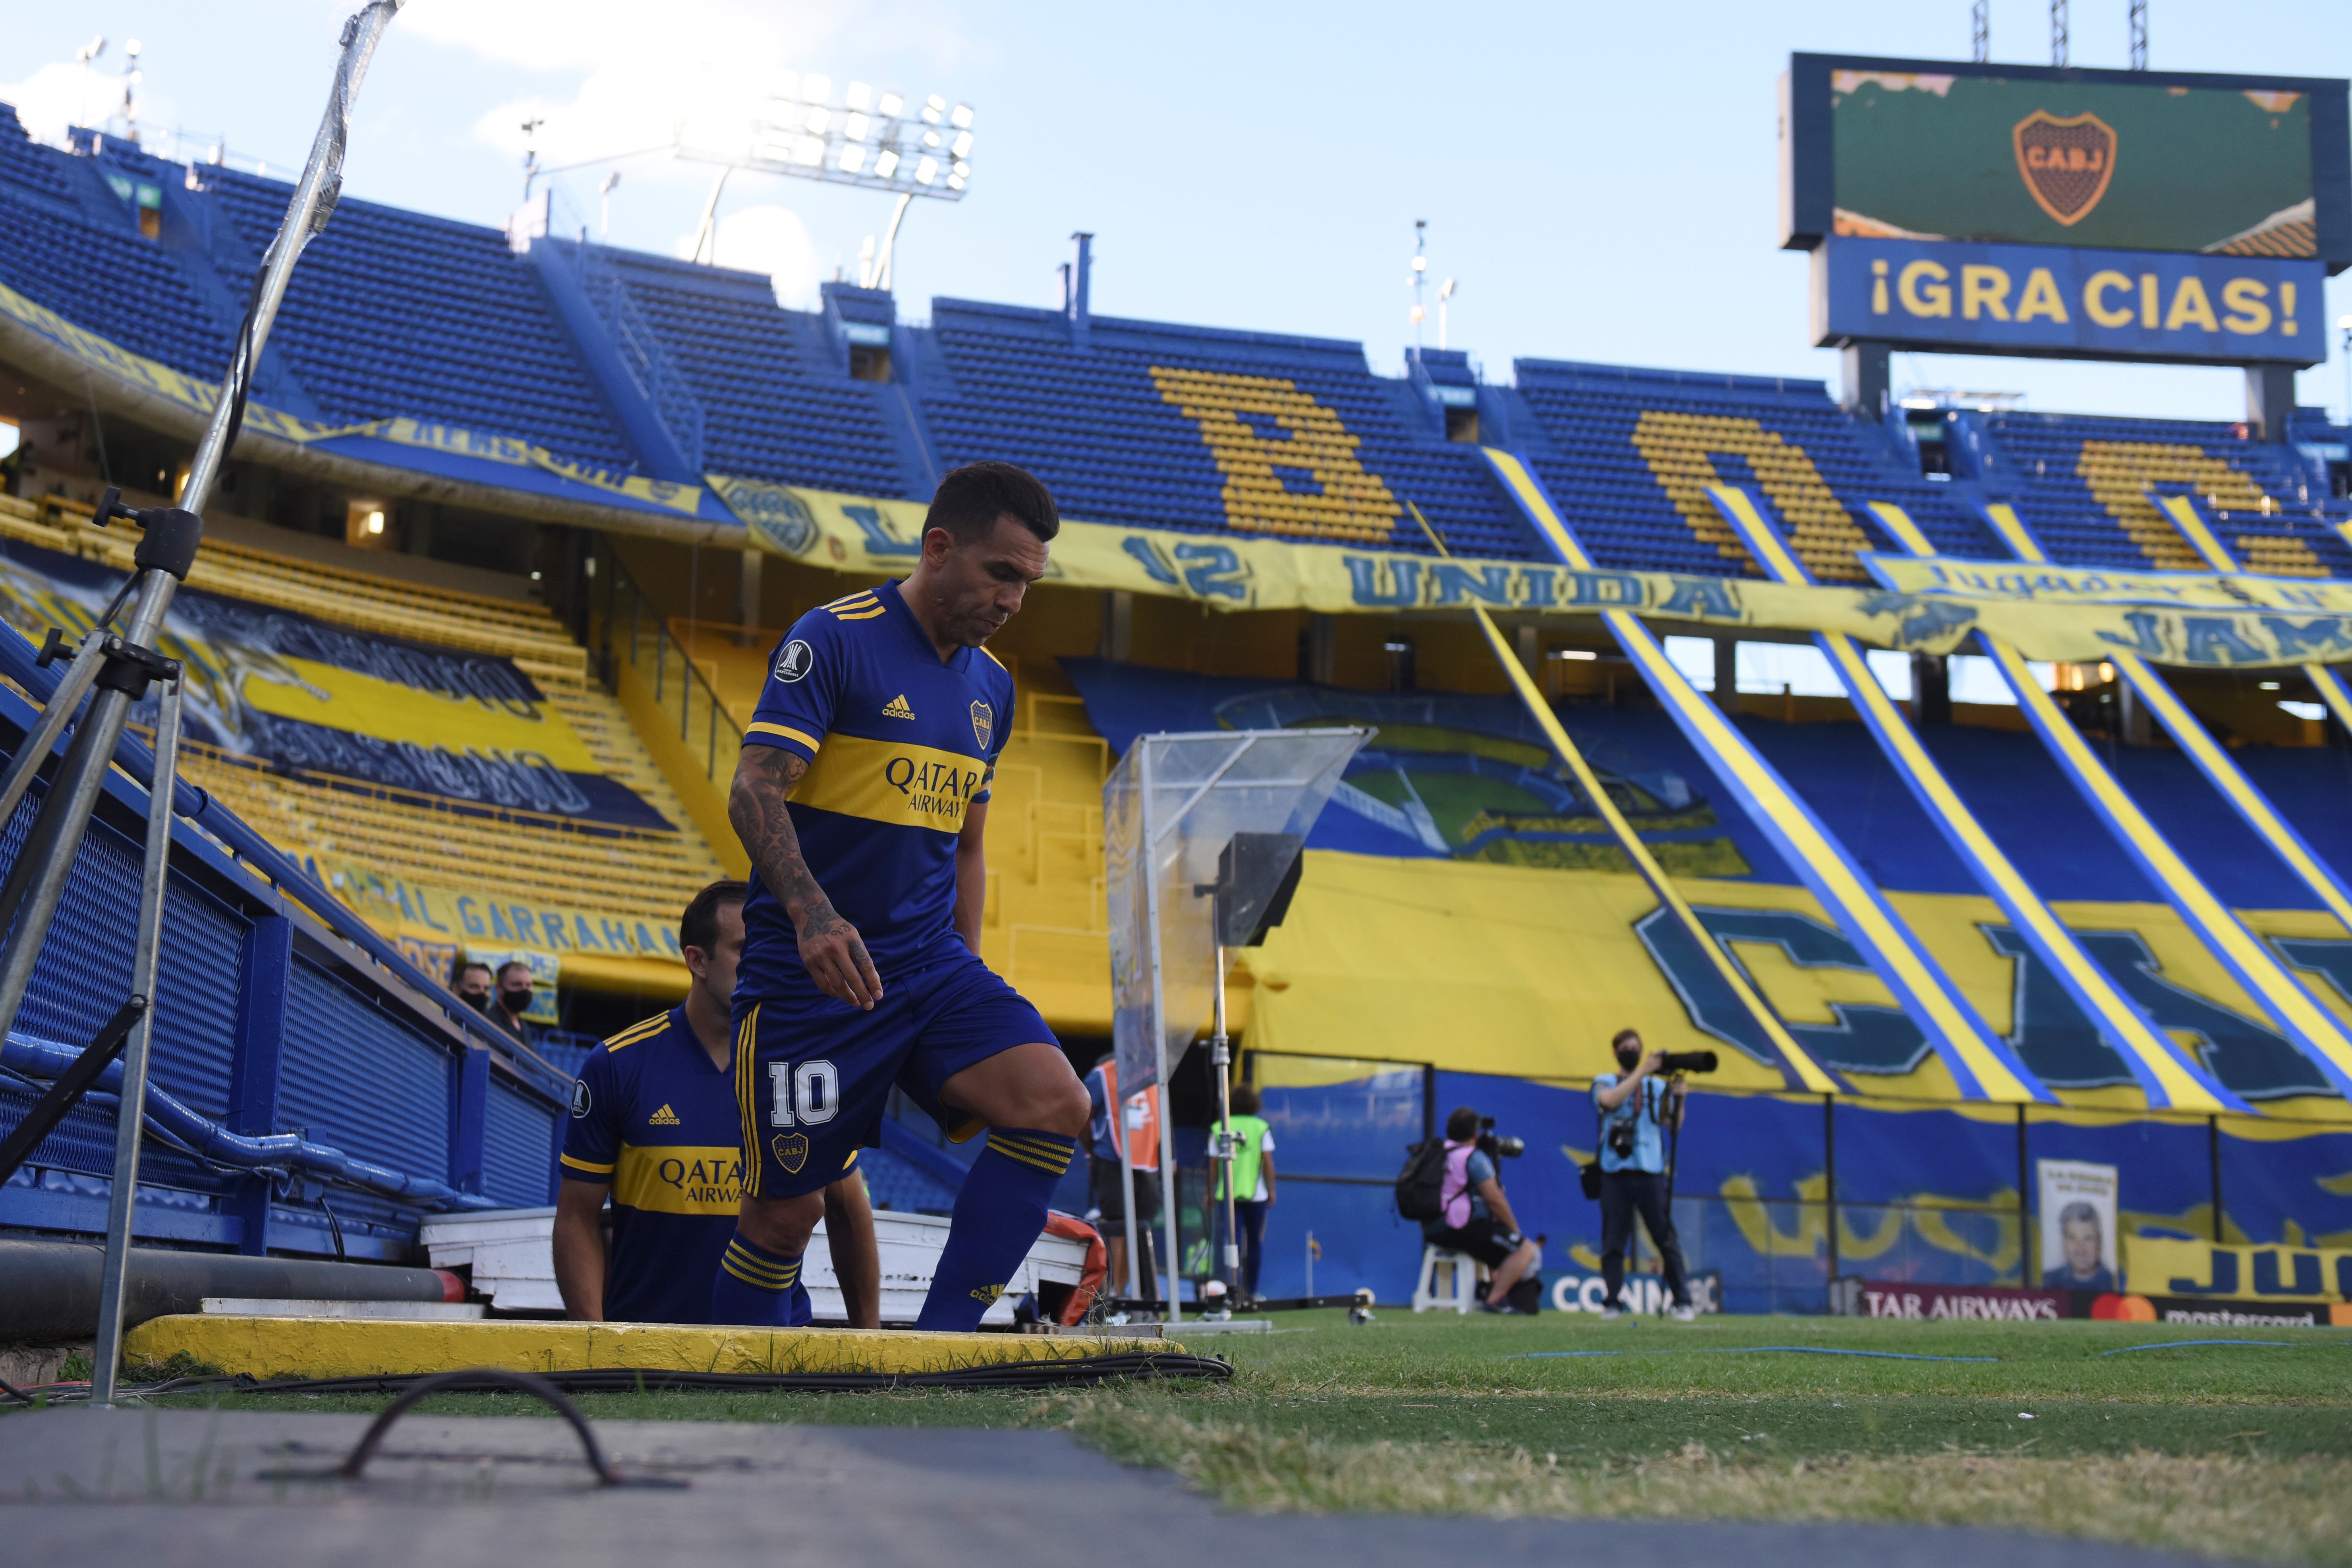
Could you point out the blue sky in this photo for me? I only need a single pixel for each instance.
(1600, 179)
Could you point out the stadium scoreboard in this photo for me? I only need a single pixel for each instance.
(2111, 214)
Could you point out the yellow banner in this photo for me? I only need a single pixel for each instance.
(2010, 582)
(483, 922)
(200, 396)
(2157, 1266)
(866, 535)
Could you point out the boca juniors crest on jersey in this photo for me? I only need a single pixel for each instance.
(791, 1150)
(983, 723)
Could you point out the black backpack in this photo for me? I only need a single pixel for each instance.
(1421, 1186)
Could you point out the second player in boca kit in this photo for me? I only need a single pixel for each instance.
(862, 798)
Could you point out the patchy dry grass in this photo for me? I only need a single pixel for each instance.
(2240, 1448)
(2247, 1508)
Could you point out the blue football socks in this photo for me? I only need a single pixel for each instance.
(759, 1289)
(998, 1217)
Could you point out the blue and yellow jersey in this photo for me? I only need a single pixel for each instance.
(655, 1118)
(899, 745)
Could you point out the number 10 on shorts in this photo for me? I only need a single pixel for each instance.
(811, 1089)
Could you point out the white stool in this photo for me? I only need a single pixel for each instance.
(1463, 1273)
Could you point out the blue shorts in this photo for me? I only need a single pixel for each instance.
(818, 1072)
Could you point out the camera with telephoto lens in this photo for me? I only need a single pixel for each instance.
(1494, 1147)
(1687, 1061)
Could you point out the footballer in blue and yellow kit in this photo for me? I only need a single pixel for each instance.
(655, 1130)
(899, 744)
(655, 1118)
(898, 720)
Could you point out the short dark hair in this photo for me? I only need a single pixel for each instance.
(1246, 1100)
(971, 499)
(698, 926)
(1621, 1036)
(1462, 1124)
(469, 966)
(513, 964)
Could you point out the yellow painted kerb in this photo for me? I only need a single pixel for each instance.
(363, 1347)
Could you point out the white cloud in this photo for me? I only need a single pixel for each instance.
(638, 76)
(65, 94)
(773, 240)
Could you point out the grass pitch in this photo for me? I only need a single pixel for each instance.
(2241, 1449)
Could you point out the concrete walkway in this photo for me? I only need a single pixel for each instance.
(164, 1488)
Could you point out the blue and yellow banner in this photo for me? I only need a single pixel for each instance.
(341, 706)
(1931, 292)
(401, 443)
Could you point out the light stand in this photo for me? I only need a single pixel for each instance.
(119, 668)
(1256, 876)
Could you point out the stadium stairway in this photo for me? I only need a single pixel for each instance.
(1044, 928)
(385, 852)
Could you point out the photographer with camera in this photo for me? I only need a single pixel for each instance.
(1635, 1109)
(1474, 1217)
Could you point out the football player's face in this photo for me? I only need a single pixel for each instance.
(714, 969)
(981, 584)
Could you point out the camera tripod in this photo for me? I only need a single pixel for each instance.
(114, 671)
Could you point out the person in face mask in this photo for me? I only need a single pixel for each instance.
(513, 999)
(475, 985)
(1635, 1107)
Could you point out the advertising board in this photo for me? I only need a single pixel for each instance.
(2022, 210)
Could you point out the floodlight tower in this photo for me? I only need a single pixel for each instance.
(2138, 13)
(1981, 31)
(2059, 41)
(876, 142)
(1420, 272)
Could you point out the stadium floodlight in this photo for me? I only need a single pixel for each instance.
(861, 139)
(866, 140)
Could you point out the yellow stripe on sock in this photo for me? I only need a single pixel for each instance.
(1048, 1158)
(759, 1271)
(1039, 1145)
(756, 1282)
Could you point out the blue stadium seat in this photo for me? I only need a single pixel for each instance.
(1634, 446)
(393, 313)
(2085, 481)
(773, 409)
(27, 167)
(1175, 427)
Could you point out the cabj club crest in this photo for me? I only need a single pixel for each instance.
(791, 1150)
(2065, 163)
(983, 724)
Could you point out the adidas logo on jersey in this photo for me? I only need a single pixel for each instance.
(664, 1117)
(897, 707)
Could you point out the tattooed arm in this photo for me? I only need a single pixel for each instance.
(830, 946)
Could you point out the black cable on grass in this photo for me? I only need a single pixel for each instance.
(11, 1390)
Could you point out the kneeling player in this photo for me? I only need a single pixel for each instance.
(654, 1123)
(862, 797)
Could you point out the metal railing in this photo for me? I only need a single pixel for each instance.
(656, 375)
(628, 629)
